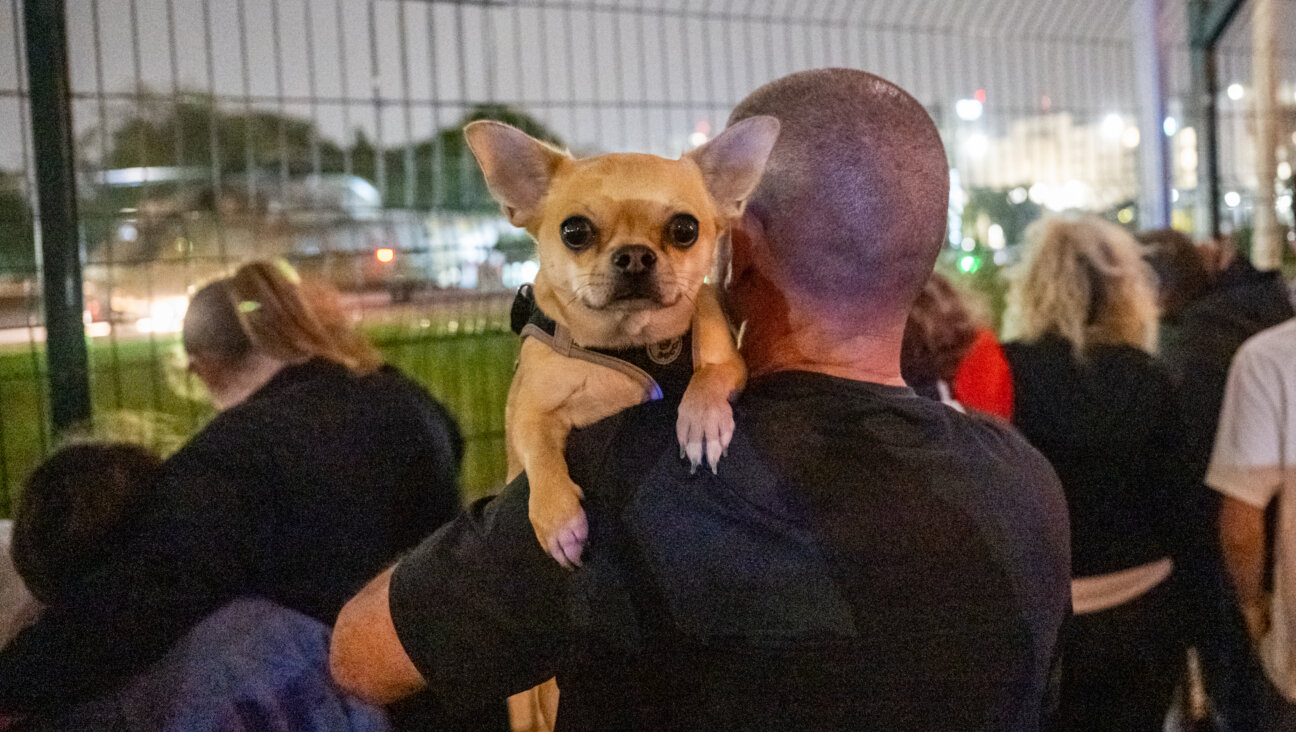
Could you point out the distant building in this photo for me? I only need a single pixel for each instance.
(1064, 165)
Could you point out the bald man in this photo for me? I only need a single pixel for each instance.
(865, 558)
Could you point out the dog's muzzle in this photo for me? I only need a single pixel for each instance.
(634, 274)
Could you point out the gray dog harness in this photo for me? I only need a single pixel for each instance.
(662, 369)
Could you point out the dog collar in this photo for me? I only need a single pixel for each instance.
(661, 369)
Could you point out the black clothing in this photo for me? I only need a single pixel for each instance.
(1109, 424)
(300, 494)
(1120, 666)
(1110, 427)
(1199, 342)
(865, 559)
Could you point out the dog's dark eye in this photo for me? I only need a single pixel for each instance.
(577, 232)
(682, 230)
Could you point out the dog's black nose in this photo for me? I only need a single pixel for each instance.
(633, 259)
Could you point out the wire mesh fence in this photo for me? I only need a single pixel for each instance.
(327, 132)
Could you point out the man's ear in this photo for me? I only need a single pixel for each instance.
(733, 162)
(518, 167)
(745, 235)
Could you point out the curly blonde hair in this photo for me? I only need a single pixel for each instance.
(1082, 279)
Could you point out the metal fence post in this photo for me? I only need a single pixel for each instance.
(66, 356)
(1207, 21)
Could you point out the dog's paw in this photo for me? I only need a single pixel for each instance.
(559, 521)
(705, 425)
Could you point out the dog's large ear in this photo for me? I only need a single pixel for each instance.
(733, 162)
(518, 167)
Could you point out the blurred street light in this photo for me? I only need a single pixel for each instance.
(995, 237)
(1112, 126)
(968, 110)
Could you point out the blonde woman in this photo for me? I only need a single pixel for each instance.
(320, 468)
(1090, 395)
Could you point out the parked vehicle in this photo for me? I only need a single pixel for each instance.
(147, 258)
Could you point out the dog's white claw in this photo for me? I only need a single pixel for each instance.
(694, 449)
(719, 431)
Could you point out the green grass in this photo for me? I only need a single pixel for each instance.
(141, 392)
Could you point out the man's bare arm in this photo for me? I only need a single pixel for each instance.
(366, 657)
(1242, 538)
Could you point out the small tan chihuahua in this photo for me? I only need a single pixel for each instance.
(626, 243)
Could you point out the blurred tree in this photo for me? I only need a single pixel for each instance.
(517, 247)
(981, 279)
(194, 132)
(986, 206)
(976, 271)
(446, 175)
(17, 238)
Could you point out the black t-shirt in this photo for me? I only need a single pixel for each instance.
(1110, 425)
(865, 559)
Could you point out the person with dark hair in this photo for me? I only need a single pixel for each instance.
(864, 558)
(1181, 271)
(947, 356)
(318, 471)
(76, 511)
(79, 510)
(1092, 397)
(1207, 314)
(938, 335)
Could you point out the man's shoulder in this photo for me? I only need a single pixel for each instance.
(1278, 341)
(997, 437)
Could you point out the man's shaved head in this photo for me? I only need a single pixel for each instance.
(854, 198)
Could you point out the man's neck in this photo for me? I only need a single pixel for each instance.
(871, 355)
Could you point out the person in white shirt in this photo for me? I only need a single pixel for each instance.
(1252, 465)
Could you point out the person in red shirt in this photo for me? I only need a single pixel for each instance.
(983, 380)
